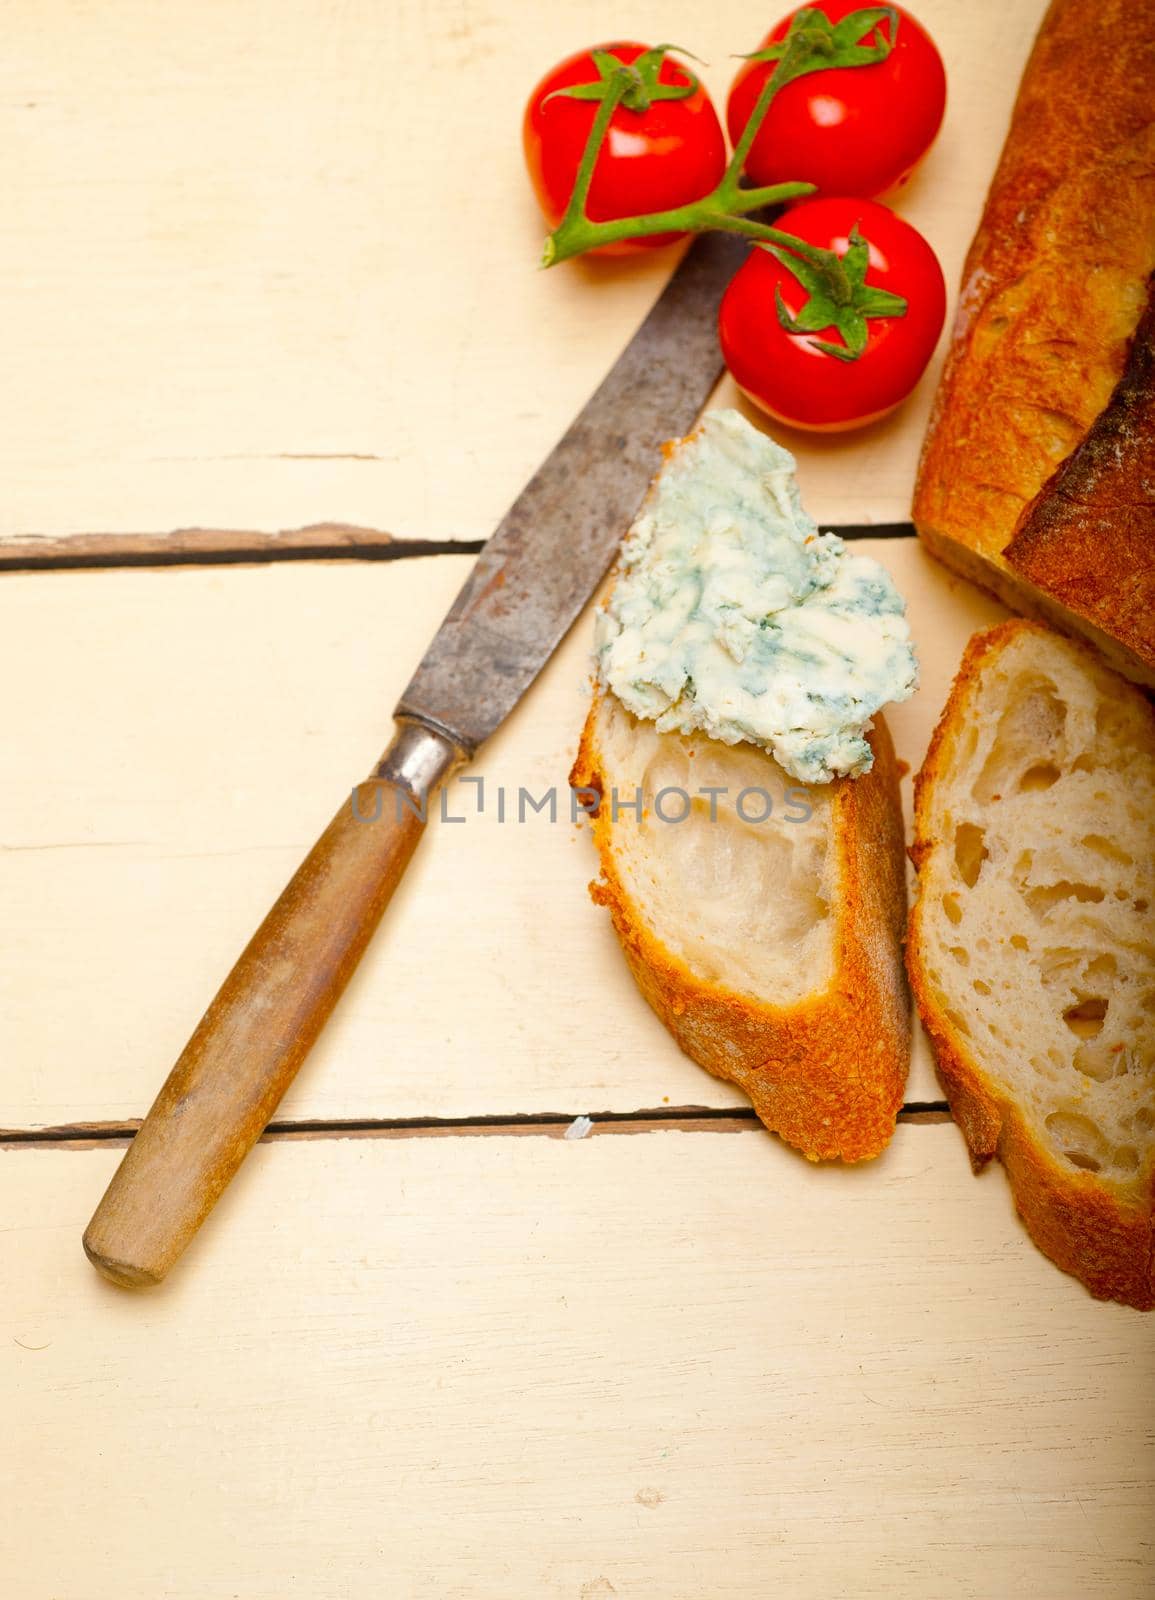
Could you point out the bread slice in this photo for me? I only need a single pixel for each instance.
(1088, 538)
(1054, 285)
(770, 949)
(1032, 944)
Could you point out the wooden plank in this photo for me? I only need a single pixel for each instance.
(276, 264)
(674, 1365)
(178, 739)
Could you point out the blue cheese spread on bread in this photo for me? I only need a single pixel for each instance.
(731, 614)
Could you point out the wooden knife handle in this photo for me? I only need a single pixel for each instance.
(250, 1042)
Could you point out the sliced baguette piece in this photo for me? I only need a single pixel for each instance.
(770, 949)
(1032, 942)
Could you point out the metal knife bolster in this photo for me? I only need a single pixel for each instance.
(419, 758)
(554, 544)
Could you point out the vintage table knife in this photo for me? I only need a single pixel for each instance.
(530, 582)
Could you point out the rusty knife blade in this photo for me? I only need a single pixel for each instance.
(556, 541)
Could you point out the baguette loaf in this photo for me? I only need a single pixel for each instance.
(1088, 537)
(1032, 947)
(1053, 288)
(770, 949)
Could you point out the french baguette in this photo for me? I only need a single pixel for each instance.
(1053, 289)
(1088, 538)
(1032, 948)
(770, 949)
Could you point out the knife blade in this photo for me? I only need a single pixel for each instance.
(529, 583)
(557, 539)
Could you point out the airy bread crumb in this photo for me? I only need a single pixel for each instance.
(1032, 947)
(770, 949)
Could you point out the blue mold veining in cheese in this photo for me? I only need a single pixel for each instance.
(732, 615)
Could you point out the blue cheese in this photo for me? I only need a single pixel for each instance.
(732, 615)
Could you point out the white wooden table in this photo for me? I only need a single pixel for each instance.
(270, 279)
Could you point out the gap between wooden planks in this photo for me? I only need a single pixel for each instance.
(216, 547)
(553, 1125)
(200, 547)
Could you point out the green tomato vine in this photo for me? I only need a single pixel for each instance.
(837, 294)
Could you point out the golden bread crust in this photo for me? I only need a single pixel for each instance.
(1088, 537)
(1072, 1216)
(827, 1073)
(1053, 288)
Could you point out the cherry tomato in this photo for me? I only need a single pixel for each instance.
(652, 160)
(786, 374)
(849, 130)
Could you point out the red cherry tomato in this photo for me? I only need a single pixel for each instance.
(652, 160)
(785, 373)
(849, 130)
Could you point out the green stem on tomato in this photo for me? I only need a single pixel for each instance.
(575, 235)
(747, 200)
(724, 210)
(616, 90)
(782, 73)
